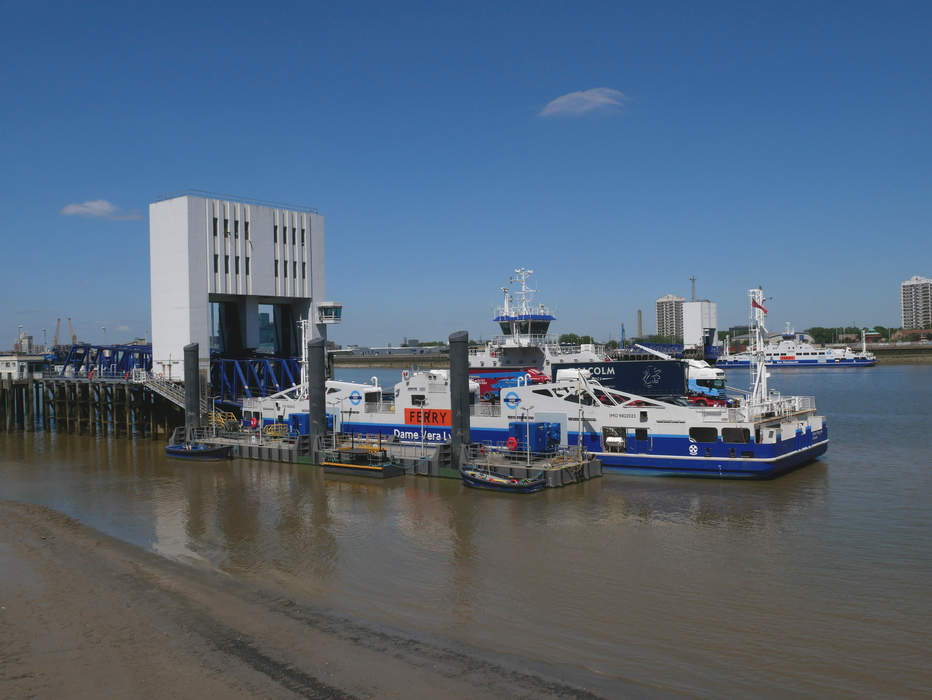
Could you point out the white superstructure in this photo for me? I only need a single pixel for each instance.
(207, 249)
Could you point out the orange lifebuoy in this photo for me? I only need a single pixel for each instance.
(512, 443)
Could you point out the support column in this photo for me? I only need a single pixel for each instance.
(316, 389)
(192, 391)
(459, 393)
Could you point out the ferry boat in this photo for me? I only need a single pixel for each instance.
(791, 350)
(763, 435)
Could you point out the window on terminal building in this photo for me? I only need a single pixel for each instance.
(294, 235)
(216, 260)
(236, 267)
(226, 227)
(302, 236)
(285, 269)
(246, 229)
(247, 266)
(236, 228)
(276, 268)
(275, 234)
(215, 225)
(226, 264)
(304, 269)
(294, 269)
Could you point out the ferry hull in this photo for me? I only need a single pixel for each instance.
(711, 467)
(662, 455)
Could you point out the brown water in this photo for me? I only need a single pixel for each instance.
(817, 583)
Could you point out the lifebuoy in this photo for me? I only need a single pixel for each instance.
(512, 443)
(254, 422)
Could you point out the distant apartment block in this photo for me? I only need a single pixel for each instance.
(670, 316)
(916, 302)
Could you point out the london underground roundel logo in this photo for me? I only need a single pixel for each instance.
(512, 400)
(355, 398)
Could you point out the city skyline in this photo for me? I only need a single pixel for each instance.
(616, 151)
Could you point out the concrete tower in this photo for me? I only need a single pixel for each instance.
(214, 260)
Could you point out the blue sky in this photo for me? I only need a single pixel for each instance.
(781, 144)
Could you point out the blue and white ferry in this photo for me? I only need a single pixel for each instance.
(763, 435)
(791, 349)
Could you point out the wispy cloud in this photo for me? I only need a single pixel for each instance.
(573, 104)
(99, 208)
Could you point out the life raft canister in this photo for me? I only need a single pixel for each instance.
(512, 444)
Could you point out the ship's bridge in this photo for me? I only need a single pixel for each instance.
(535, 325)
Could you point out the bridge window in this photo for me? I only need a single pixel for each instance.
(640, 434)
(704, 434)
(543, 392)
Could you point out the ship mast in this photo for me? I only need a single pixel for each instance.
(524, 294)
(757, 357)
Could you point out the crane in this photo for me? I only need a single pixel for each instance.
(57, 330)
(74, 338)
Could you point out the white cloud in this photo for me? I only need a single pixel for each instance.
(100, 208)
(573, 104)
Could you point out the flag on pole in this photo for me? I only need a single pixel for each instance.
(754, 304)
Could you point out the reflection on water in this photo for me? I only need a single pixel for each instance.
(799, 584)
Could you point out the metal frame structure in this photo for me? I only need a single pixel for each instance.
(233, 379)
(84, 358)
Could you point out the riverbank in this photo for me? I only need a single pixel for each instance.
(84, 615)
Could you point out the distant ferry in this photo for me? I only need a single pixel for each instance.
(792, 350)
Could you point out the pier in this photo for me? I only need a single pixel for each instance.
(101, 405)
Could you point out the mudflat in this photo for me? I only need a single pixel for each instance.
(84, 615)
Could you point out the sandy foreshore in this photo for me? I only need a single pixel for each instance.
(84, 615)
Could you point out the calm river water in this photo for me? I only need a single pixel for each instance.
(817, 583)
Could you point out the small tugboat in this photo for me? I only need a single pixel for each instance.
(493, 481)
(198, 450)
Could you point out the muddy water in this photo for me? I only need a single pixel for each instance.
(817, 583)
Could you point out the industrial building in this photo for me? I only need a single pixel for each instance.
(700, 323)
(215, 260)
(916, 303)
(670, 316)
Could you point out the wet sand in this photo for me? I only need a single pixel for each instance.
(83, 615)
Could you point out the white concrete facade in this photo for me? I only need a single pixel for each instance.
(204, 249)
(916, 303)
(699, 317)
(670, 316)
